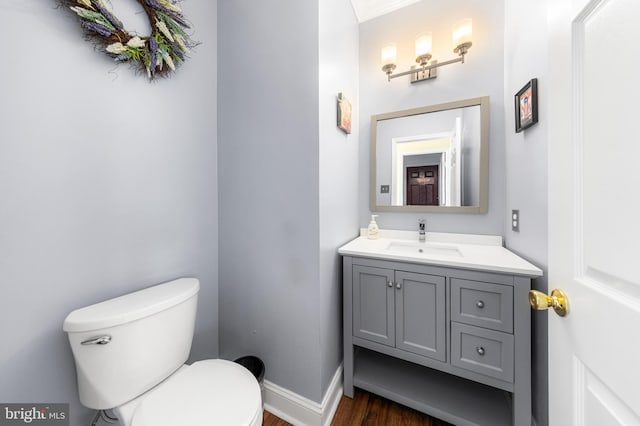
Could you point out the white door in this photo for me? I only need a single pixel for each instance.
(594, 211)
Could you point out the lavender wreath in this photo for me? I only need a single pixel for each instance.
(157, 54)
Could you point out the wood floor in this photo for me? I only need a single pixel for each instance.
(371, 410)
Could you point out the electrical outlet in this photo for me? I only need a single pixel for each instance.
(384, 189)
(515, 220)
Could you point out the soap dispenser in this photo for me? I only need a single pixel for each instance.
(372, 230)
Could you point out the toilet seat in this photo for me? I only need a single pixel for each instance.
(209, 392)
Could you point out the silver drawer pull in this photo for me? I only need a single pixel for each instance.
(102, 340)
(480, 304)
(480, 350)
(390, 284)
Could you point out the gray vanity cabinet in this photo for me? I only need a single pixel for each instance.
(400, 309)
(450, 342)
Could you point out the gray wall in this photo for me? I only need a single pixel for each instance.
(268, 174)
(108, 185)
(338, 155)
(480, 75)
(288, 184)
(470, 158)
(526, 167)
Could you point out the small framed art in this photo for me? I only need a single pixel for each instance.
(526, 105)
(344, 114)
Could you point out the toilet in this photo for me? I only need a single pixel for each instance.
(130, 355)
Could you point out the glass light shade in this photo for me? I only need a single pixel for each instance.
(462, 32)
(424, 44)
(388, 54)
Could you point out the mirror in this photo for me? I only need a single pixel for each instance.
(431, 159)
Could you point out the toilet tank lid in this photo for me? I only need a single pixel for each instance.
(132, 306)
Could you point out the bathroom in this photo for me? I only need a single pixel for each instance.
(110, 184)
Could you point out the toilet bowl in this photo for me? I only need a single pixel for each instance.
(213, 391)
(130, 353)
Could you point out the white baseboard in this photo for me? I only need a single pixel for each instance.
(299, 410)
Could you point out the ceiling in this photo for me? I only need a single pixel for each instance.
(369, 9)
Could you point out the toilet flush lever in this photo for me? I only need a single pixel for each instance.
(102, 340)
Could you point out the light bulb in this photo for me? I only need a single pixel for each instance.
(424, 44)
(462, 33)
(388, 54)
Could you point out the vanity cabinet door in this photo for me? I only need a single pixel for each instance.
(373, 304)
(420, 314)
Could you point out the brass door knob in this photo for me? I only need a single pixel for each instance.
(558, 301)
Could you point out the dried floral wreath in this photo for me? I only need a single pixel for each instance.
(157, 54)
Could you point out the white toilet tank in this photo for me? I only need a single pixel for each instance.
(132, 342)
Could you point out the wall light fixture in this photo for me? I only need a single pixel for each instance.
(426, 70)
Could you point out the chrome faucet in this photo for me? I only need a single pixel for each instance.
(421, 233)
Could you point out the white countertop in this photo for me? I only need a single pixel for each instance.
(479, 252)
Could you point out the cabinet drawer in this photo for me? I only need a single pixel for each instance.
(482, 304)
(482, 351)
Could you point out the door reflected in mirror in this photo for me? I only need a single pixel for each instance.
(431, 159)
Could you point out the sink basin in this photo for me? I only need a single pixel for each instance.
(423, 249)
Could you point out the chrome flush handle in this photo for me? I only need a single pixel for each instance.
(102, 340)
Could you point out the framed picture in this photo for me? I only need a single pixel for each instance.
(344, 114)
(526, 106)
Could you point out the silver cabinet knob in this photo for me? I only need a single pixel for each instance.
(480, 304)
(390, 284)
(480, 350)
(398, 286)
